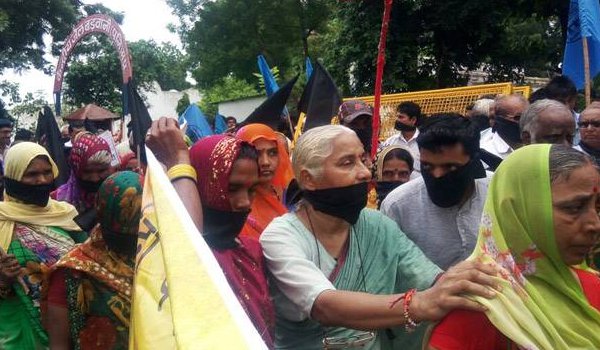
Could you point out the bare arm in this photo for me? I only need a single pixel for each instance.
(56, 320)
(368, 311)
(166, 141)
(58, 327)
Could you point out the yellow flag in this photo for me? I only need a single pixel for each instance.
(181, 297)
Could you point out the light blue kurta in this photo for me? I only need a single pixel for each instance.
(391, 263)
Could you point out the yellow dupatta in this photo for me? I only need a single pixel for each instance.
(58, 214)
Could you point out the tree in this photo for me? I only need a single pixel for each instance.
(9, 91)
(435, 44)
(23, 25)
(183, 103)
(224, 37)
(96, 77)
(26, 111)
(228, 88)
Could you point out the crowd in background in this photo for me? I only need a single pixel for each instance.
(464, 232)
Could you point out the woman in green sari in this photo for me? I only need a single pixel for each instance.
(34, 234)
(539, 223)
(89, 297)
(346, 276)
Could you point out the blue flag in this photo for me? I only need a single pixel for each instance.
(220, 124)
(584, 21)
(270, 82)
(197, 125)
(309, 68)
(271, 85)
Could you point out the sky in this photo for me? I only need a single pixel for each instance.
(144, 19)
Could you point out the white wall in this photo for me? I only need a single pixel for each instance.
(240, 109)
(163, 103)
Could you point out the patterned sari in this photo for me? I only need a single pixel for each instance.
(243, 265)
(37, 237)
(99, 280)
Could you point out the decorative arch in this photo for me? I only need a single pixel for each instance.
(94, 24)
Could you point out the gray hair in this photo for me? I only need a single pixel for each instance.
(530, 118)
(483, 106)
(502, 99)
(564, 160)
(313, 147)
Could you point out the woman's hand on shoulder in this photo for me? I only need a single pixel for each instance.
(9, 270)
(448, 293)
(165, 139)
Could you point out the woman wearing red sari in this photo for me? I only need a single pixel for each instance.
(275, 174)
(227, 171)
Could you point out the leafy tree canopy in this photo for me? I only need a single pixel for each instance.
(228, 88)
(23, 25)
(97, 78)
(224, 37)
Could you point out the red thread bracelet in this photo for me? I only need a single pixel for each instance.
(410, 325)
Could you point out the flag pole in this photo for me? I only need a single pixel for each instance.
(289, 120)
(586, 70)
(379, 75)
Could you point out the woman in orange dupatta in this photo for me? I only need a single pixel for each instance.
(275, 174)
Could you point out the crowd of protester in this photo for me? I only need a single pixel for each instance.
(483, 232)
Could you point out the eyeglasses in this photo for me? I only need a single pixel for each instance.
(359, 340)
(586, 124)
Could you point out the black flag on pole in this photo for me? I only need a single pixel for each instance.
(48, 135)
(320, 99)
(140, 120)
(270, 112)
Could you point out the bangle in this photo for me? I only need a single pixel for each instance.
(182, 171)
(409, 325)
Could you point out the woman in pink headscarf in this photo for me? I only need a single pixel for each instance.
(227, 171)
(90, 160)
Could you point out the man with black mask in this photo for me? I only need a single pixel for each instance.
(506, 136)
(408, 115)
(358, 116)
(440, 212)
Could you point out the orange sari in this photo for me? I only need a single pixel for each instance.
(267, 204)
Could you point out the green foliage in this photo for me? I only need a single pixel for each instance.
(224, 37)
(434, 44)
(261, 79)
(27, 110)
(31, 104)
(183, 103)
(97, 78)
(9, 91)
(228, 88)
(3, 112)
(23, 25)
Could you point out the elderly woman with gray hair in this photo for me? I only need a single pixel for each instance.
(345, 276)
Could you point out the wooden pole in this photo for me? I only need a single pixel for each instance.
(586, 70)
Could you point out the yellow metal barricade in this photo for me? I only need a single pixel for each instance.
(433, 101)
(437, 101)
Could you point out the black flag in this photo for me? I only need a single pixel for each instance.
(140, 120)
(270, 112)
(48, 135)
(320, 99)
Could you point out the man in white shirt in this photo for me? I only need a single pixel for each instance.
(440, 212)
(408, 114)
(506, 136)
